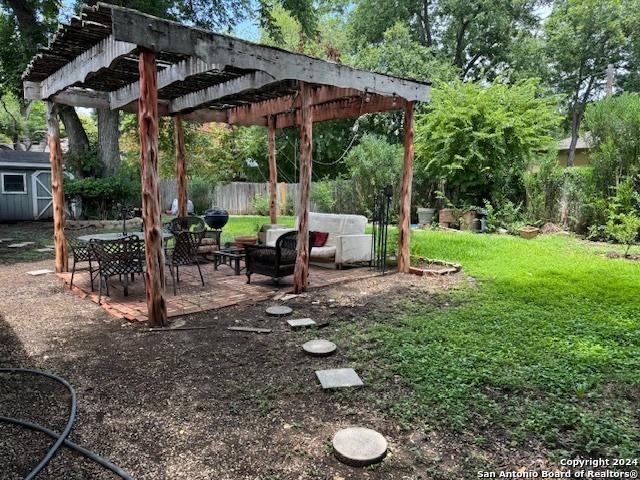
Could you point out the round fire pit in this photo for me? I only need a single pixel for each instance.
(216, 218)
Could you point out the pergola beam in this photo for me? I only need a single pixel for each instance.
(163, 35)
(77, 70)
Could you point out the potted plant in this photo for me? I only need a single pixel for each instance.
(468, 217)
(447, 215)
(528, 232)
(425, 215)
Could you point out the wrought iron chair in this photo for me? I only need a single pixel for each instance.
(122, 257)
(184, 252)
(185, 224)
(81, 252)
(275, 262)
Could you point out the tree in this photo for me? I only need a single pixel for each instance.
(582, 38)
(474, 35)
(479, 139)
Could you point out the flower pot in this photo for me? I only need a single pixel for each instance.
(425, 215)
(468, 218)
(243, 240)
(448, 215)
(529, 232)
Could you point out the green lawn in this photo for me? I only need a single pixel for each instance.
(544, 346)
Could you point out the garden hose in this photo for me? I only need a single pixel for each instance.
(61, 439)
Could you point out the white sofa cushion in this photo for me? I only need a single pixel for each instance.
(328, 251)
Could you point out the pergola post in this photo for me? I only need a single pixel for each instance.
(154, 252)
(55, 157)
(301, 272)
(404, 260)
(273, 172)
(181, 169)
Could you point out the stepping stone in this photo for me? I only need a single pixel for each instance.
(319, 348)
(41, 250)
(359, 447)
(17, 245)
(279, 311)
(178, 323)
(250, 329)
(4, 240)
(301, 323)
(338, 378)
(37, 273)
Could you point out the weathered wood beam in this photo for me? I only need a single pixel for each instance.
(77, 70)
(176, 73)
(404, 259)
(75, 97)
(55, 157)
(154, 251)
(273, 172)
(343, 109)
(163, 35)
(301, 271)
(251, 81)
(181, 170)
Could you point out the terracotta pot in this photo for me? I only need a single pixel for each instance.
(448, 215)
(243, 240)
(529, 232)
(467, 220)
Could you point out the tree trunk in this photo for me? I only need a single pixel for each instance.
(301, 272)
(57, 192)
(154, 251)
(404, 261)
(78, 141)
(108, 136)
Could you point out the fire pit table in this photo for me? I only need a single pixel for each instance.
(230, 256)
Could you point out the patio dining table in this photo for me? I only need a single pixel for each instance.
(118, 235)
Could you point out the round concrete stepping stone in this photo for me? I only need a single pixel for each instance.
(359, 447)
(279, 311)
(319, 348)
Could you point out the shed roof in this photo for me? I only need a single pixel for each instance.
(93, 62)
(17, 158)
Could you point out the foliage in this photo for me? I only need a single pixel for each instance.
(261, 203)
(624, 228)
(100, 196)
(614, 127)
(21, 126)
(537, 350)
(373, 164)
(543, 184)
(479, 139)
(506, 215)
(199, 192)
(323, 196)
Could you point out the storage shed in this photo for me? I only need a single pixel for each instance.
(25, 186)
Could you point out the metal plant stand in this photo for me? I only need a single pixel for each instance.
(381, 208)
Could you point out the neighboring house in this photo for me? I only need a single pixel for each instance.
(582, 151)
(25, 186)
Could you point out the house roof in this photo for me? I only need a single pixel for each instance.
(583, 143)
(93, 61)
(17, 158)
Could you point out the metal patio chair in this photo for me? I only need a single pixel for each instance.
(81, 252)
(122, 257)
(275, 262)
(183, 253)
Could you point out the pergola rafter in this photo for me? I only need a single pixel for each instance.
(117, 58)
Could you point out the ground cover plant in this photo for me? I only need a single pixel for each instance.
(540, 348)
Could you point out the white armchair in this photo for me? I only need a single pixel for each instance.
(347, 243)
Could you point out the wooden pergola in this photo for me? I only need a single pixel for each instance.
(121, 59)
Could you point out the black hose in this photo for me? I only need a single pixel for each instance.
(61, 439)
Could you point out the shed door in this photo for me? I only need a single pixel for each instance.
(42, 197)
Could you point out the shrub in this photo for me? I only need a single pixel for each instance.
(261, 204)
(323, 196)
(200, 193)
(624, 228)
(506, 215)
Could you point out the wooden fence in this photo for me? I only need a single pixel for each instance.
(238, 197)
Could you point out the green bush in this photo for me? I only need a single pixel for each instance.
(543, 185)
(624, 228)
(200, 194)
(261, 204)
(323, 196)
(505, 215)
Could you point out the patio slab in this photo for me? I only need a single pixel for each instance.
(299, 323)
(338, 378)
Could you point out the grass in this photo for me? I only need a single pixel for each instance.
(543, 347)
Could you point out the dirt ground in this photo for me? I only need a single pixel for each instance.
(195, 404)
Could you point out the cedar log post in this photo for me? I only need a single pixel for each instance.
(57, 191)
(181, 170)
(404, 261)
(154, 251)
(273, 173)
(301, 273)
